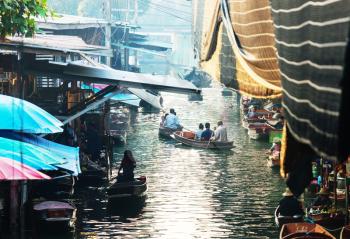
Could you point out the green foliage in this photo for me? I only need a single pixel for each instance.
(17, 16)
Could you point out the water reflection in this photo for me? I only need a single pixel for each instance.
(192, 193)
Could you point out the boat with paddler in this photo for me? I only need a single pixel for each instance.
(167, 132)
(188, 138)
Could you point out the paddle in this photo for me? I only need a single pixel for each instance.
(210, 140)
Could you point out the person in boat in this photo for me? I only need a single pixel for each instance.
(128, 165)
(252, 112)
(172, 121)
(163, 118)
(220, 132)
(322, 202)
(199, 132)
(275, 148)
(279, 121)
(207, 133)
(290, 205)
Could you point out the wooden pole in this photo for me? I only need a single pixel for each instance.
(346, 200)
(14, 209)
(335, 186)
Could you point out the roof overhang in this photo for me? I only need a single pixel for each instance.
(101, 75)
(53, 44)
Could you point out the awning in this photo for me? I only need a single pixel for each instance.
(32, 154)
(21, 115)
(149, 45)
(25, 159)
(123, 97)
(151, 99)
(131, 99)
(101, 75)
(53, 44)
(69, 155)
(13, 170)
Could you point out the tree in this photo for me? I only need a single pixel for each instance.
(17, 16)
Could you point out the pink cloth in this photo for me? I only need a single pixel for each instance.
(13, 170)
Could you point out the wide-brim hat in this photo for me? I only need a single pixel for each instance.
(287, 193)
(276, 140)
(323, 191)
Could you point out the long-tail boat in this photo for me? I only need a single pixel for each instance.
(187, 138)
(303, 230)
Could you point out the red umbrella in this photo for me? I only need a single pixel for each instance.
(13, 170)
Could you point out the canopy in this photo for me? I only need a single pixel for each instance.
(69, 154)
(21, 115)
(13, 170)
(27, 160)
(42, 155)
(125, 98)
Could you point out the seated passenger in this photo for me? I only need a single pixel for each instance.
(276, 147)
(252, 113)
(220, 133)
(322, 202)
(199, 132)
(128, 164)
(279, 121)
(172, 121)
(207, 133)
(289, 205)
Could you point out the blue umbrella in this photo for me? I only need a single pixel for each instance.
(21, 148)
(21, 115)
(70, 154)
(27, 160)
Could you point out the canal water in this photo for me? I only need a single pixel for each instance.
(192, 193)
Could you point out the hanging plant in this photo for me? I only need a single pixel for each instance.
(17, 16)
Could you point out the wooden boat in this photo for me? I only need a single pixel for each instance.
(167, 132)
(121, 193)
(55, 215)
(258, 130)
(281, 220)
(187, 138)
(345, 232)
(328, 220)
(57, 187)
(303, 230)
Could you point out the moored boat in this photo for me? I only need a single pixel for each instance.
(258, 130)
(303, 230)
(331, 221)
(345, 232)
(121, 193)
(281, 220)
(55, 215)
(187, 138)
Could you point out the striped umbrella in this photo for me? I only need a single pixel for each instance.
(13, 170)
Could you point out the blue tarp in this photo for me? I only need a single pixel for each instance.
(27, 160)
(21, 115)
(29, 154)
(70, 155)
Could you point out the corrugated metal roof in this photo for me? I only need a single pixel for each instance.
(53, 44)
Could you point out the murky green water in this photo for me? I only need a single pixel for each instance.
(192, 193)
